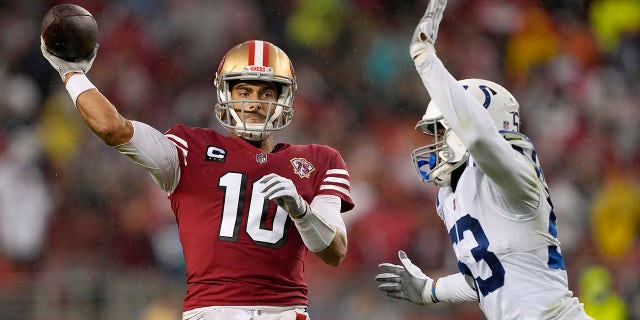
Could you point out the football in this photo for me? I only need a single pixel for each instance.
(69, 31)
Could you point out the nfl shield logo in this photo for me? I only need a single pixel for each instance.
(261, 158)
(302, 167)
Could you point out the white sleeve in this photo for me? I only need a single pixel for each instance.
(328, 207)
(512, 172)
(157, 154)
(454, 288)
(318, 227)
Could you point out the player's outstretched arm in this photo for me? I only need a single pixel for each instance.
(467, 118)
(99, 114)
(408, 282)
(320, 226)
(153, 151)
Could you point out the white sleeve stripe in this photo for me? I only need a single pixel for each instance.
(184, 153)
(336, 188)
(180, 144)
(337, 180)
(338, 172)
(178, 140)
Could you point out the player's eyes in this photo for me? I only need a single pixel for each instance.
(262, 94)
(268, 94)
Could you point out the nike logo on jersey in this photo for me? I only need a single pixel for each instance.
(215, 154)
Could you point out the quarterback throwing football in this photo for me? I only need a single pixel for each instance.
(248, 210)
(493, 199)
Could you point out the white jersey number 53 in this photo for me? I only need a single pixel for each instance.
(480, 253)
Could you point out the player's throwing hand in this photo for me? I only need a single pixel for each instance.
(64, 67)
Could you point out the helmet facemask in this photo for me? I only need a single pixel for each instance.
(436, 161)
(278, 114)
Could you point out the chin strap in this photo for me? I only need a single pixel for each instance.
(252, 135)
(445, 178)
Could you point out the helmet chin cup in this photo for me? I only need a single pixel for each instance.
(252, 136)
(253, 132)
(443, 180)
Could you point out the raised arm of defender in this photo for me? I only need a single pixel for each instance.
(516, 176)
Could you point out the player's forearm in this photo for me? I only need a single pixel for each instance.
(453, 288)
(99, 114)
(322, 229)
(336, 251)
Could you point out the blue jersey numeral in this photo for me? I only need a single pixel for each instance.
(480, 253)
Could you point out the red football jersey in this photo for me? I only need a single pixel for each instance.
(241, 249)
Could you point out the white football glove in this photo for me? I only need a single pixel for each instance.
(63, 66)
(285, 194)
(424, 37)
(406, 282)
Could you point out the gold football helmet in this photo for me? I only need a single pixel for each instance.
(255, 60)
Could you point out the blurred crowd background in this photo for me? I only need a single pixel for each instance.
(85, 234)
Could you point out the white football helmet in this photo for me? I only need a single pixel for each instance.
(250, 61)
(436, 161)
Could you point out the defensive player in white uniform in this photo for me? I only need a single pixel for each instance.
(493, 199)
